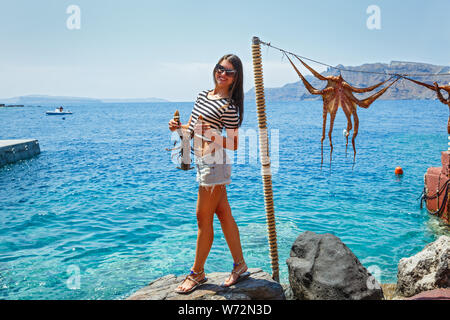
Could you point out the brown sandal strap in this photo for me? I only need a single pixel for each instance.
(241, 270)
(197, 273)
(189, 276)
(192, 279)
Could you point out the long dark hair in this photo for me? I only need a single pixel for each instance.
(237, 88)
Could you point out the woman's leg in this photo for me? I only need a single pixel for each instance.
(206, 206)
(207, 202)
(231, 232)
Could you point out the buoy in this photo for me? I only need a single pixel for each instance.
(398, 171)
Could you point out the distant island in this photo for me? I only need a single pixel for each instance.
(45, 100)
(137, 100)
(402, 90)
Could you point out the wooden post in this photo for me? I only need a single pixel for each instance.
(264, 156)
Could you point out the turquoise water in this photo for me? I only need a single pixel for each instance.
(102, 210)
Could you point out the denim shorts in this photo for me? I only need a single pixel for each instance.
(212, 171)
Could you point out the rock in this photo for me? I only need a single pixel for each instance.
(390, 291)
(322, 267)
(427, 270)
(259, 286)
(436, 294)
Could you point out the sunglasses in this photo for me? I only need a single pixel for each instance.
(221, 69)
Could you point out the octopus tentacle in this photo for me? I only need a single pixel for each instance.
(444, 101)
(355, 133)
(348, 113)
(437, 89)
(368, 101)
(314, 72)
(363, 90)
(308, 86)
(327, 90)
(324, 124)
(440, 96)
(332, 117)
(429, 86)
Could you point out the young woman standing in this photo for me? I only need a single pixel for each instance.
(222, 107)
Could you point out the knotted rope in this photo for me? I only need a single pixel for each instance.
(264, 156)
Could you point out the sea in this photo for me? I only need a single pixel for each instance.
(103, 210)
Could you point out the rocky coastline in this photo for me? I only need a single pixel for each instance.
(322, 267)
(372, 73)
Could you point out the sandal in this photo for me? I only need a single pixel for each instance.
(242, 273)
(197, 282)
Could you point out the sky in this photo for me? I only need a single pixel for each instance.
(167, 49)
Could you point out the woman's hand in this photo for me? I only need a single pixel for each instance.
(174, 125)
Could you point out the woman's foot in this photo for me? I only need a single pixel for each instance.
(239, 273)
(191, 282)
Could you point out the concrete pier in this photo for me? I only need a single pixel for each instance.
(15, 150)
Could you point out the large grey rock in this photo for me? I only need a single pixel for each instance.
(427, 270)
(259, 286)
(322, 267)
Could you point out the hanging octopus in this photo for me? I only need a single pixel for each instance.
(339, 93)
(441, 98)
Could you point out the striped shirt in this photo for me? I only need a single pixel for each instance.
(216, 112)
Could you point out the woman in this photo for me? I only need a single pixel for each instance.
(220, 108)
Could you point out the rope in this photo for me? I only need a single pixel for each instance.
(359, 71)
(264, 157)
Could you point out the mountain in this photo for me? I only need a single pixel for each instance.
(67, 101)
(137, 100)
(402, 90)
(48, 100)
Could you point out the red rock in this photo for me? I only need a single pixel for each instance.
(436, 294)
(445, 162)
(435, 178)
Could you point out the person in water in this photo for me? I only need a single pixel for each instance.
(222, 107)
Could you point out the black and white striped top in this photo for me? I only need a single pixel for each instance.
(216, 112)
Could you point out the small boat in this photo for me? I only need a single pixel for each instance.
(57, 112)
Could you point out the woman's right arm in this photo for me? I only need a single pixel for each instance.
(182, 129)
(173, 125)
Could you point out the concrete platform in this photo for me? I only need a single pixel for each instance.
(15, 150)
